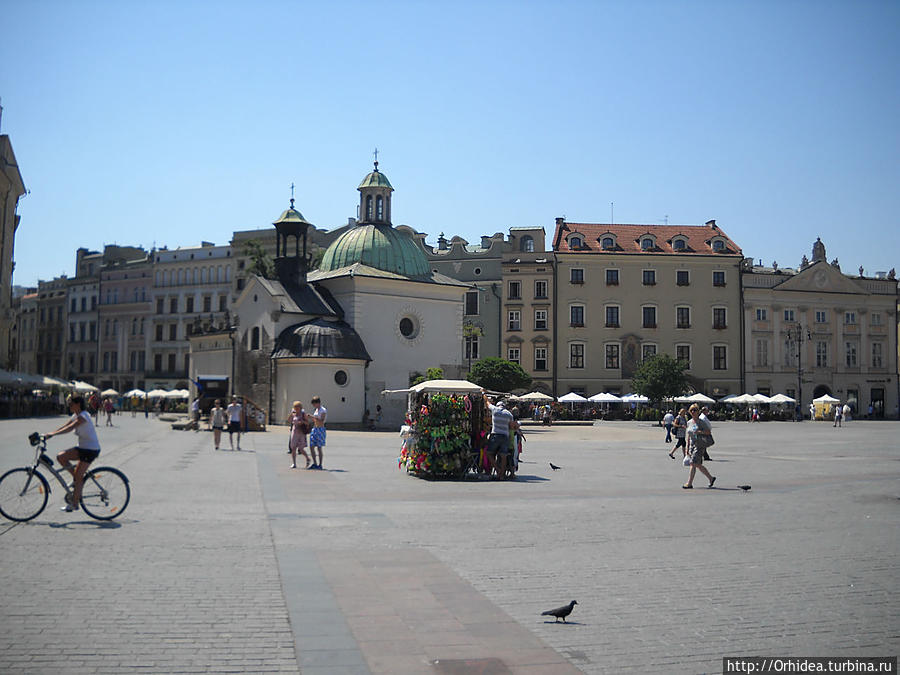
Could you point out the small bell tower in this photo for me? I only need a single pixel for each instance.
(375, 198)
(291, 257)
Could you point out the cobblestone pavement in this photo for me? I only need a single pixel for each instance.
(232, 562)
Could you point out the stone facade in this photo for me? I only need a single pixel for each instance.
(842, 327)
(627, 292)
(11, 189)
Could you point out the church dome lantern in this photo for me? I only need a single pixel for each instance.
(291, 257)
(375, 197)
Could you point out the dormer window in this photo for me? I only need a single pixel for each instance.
(527, 244)
(646, 244)
(576, 243)
(718, 245)
(608, 242)
(679, 244)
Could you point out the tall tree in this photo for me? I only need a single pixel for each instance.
(260, 262)
(499, 375)
(660, 377)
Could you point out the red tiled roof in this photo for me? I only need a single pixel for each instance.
(699, 238)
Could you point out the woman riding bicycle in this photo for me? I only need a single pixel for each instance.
(85, 452)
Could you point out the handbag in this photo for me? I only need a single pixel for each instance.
(710, 440)
(687, 460)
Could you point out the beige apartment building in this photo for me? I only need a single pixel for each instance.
(627, 292)
(527, 317)
(816, 331)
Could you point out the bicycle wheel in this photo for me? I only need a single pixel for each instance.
(23, 494)
(105, 493)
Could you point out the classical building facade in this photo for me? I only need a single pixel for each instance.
(190, 286)
(528, 318)
(51, 330)
(123, 320)
(815, 330)
(11, 189)
(627, 292)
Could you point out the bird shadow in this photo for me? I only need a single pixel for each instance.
(566, 623)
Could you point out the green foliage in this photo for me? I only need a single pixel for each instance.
(660, 377)
(499, 375)
(430, 374)
(260, 262)
(316, 258)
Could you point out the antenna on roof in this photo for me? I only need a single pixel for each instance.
(612, 220)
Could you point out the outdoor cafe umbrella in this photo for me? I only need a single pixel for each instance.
(534, 396)
(635, 398)
(695, 398)
(156, 393)
(84, 387)
(572, 397)
(603, 397)
(177, 393)
(140, 393)
(109, 392)
(782, 398)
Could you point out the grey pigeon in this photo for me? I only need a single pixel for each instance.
(561, 612)
(554, 467)
(744, 487)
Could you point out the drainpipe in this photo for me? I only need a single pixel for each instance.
(555, 278)
(499, 320)
(272, 371)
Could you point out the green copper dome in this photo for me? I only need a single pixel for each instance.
(379, 246)
(375, 179)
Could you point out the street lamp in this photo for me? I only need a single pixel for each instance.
(795, 336)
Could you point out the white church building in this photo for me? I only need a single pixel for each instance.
(369, 317)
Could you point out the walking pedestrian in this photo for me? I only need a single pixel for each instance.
(838, 416)
(235, 412)
(317, 433)
(680, 425)
(699, 434)
(217, 418)
(668, 420)
(299, 428)
(108, 409)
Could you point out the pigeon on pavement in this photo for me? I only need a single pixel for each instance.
(554, 467)
(561, 612)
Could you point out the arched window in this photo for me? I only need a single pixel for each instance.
(718, 245)
(575, 242)
(379, 208)
(527, 245)
(202, 275)
(608, 242)
(254, 338)
(369, 207)
(679, 245)
(646, 244)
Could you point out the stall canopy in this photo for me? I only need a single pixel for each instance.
(140, 393)
(156, 393)
(443, 386)
(825, 398)
(109, 392)
(177, 393)
(635, 398)
(782, 398)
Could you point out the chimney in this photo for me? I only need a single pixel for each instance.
(712, 224)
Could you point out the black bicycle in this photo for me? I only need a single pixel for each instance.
(24, 492)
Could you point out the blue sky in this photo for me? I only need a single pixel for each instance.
(174, 122)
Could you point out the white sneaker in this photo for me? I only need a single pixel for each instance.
(68, 508)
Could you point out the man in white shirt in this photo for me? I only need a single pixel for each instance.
(234, 411)
(668, 420)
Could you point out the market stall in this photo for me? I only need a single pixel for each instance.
(446, 428)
